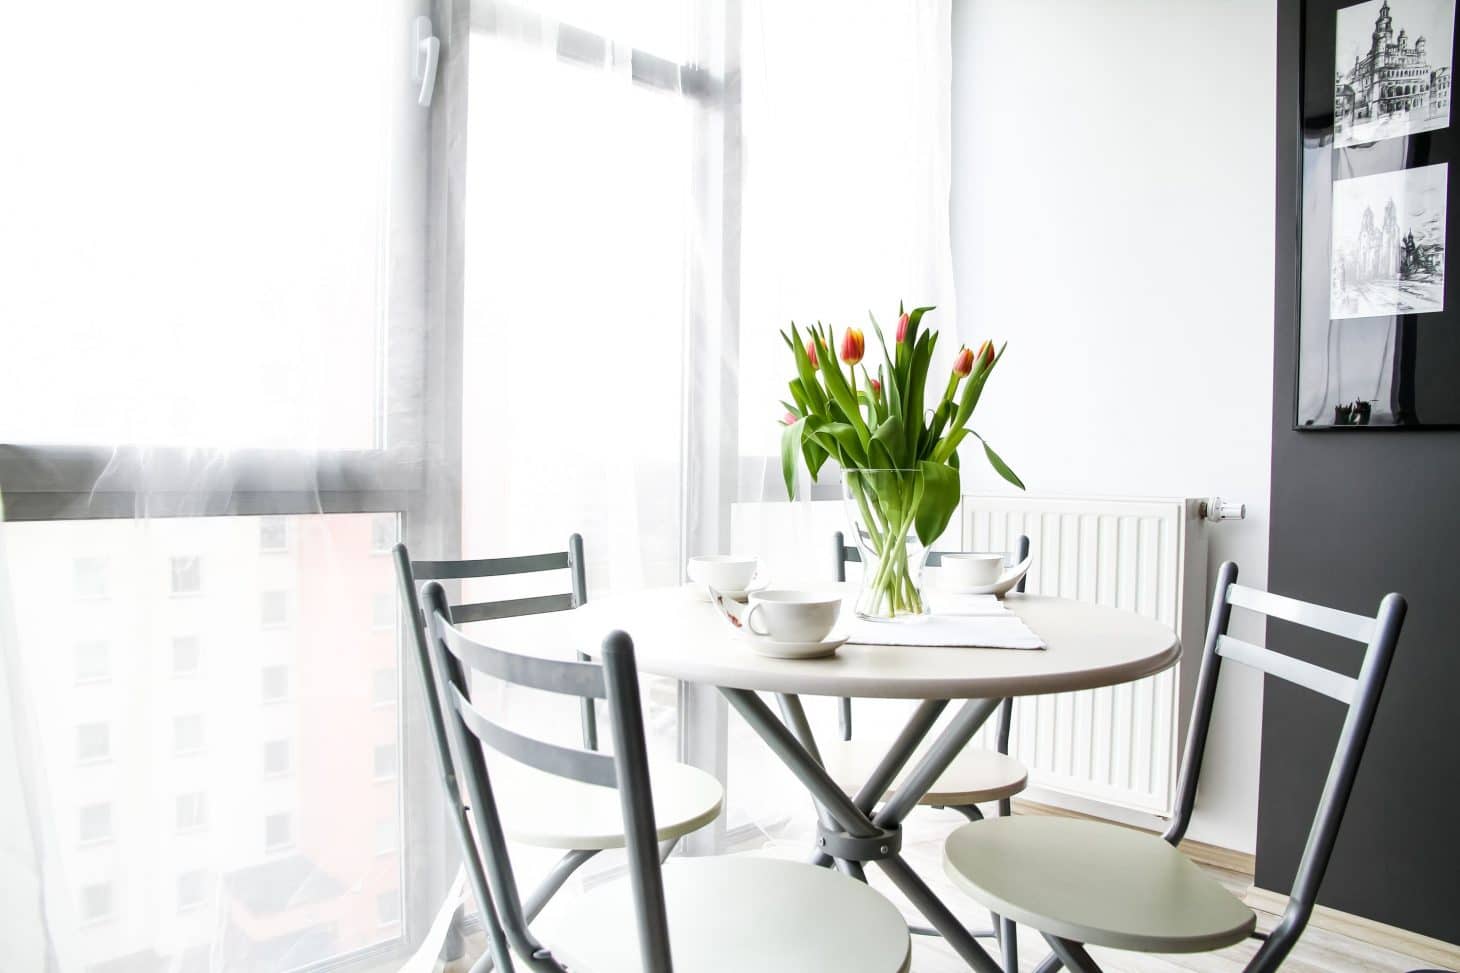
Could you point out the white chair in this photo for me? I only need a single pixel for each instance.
(1087, 882)
(706, 915)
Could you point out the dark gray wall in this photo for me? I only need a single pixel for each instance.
(1356, 514)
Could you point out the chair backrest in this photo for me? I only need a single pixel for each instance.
(453, 657)
(412, 574)
(1360, 696)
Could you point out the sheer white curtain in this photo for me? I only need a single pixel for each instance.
(212, 428)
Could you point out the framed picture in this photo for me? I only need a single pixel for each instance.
(1378, 329)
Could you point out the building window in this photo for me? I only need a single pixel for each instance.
(88, 577)
(278, 832)
(93, 742)
(385, 761)
(385, 836)
(274, 609)
(274, 683)
(382, 611)
(187, 575)
(96, 902)
(96, 823)
(187, 655)
(273, 534)
(189, 889)
(387, 907)
(382, 533)
(276, 758)
(187, 734)
(93, 663)
(192, 812)
(383, 687)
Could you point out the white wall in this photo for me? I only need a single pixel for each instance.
(1112, 217)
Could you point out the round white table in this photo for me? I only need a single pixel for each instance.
(683, 637)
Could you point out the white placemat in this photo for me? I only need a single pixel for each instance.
(967, 622)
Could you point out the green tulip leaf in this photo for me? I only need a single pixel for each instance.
(790, 440)
(1000, 466)
(941, 493)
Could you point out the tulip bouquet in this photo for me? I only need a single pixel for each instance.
(898, 448)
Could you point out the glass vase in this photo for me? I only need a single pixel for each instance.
(882, 505)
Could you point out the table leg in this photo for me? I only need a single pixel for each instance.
(796, 747)
(794, 715)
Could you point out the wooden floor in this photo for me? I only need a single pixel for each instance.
(1319, 951)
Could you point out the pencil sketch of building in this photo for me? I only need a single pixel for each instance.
(1389, 81)
(1389, 243)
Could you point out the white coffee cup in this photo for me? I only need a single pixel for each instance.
(972, 570)
(793, 616)
(724, 572)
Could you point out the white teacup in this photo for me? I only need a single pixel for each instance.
(972, 570)
(723, 572)
(793, 616)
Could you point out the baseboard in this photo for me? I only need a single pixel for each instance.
(1199, 851)
(1429, 950)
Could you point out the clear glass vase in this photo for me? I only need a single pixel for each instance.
(882, 506)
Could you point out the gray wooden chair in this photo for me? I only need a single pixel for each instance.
(543, 810)
(704, 914)
(976, 776)
(1087, 882)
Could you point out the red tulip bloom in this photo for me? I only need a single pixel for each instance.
(854, 346)
(789, 419)
(963, 364)
(986, 354)
(811, 353)
(876, 388)
(902, 323)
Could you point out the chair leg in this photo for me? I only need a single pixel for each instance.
(969, 811)
(549, 887)
(1008, 942)
(1071, 954)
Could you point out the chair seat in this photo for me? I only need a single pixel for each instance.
(1094, 883)
(975, 776)
(738, 914)
(557, 812)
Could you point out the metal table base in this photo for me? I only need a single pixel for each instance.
(849, 833)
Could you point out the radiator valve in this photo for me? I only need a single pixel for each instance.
(1216, 510)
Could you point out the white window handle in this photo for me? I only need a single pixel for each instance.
(427, 54)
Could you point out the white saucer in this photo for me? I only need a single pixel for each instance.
(1001, 587)
(698, 592)
(763, 645)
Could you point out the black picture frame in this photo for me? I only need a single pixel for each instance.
(1356, 371)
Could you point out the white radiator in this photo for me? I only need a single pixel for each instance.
(1117, 745)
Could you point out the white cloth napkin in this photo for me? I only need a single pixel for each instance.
(967, 621)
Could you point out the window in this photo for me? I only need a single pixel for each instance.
(383, 533)
(274, 683)
(274, 609)
(93, 742)
(278, 832)
(273, 534)
(192, 812)
(89, 577)
(96, 823)
(386, 832)
(385, 761)
(187, 734)
(96, 902)
(189, 889)
(383, 687)
(382, 611)
(187, 575)
(92, 662)
(276, 758)
(187, 655)
(387, 907)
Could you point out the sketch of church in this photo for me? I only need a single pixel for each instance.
(1394, 263)
(1396, 86)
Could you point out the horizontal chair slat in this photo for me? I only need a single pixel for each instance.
(583, 765)
(510, 608)
(1316, 678)
(550, 675)
(490, 567)
(1331, 620)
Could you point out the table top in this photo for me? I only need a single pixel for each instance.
(684, 638)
